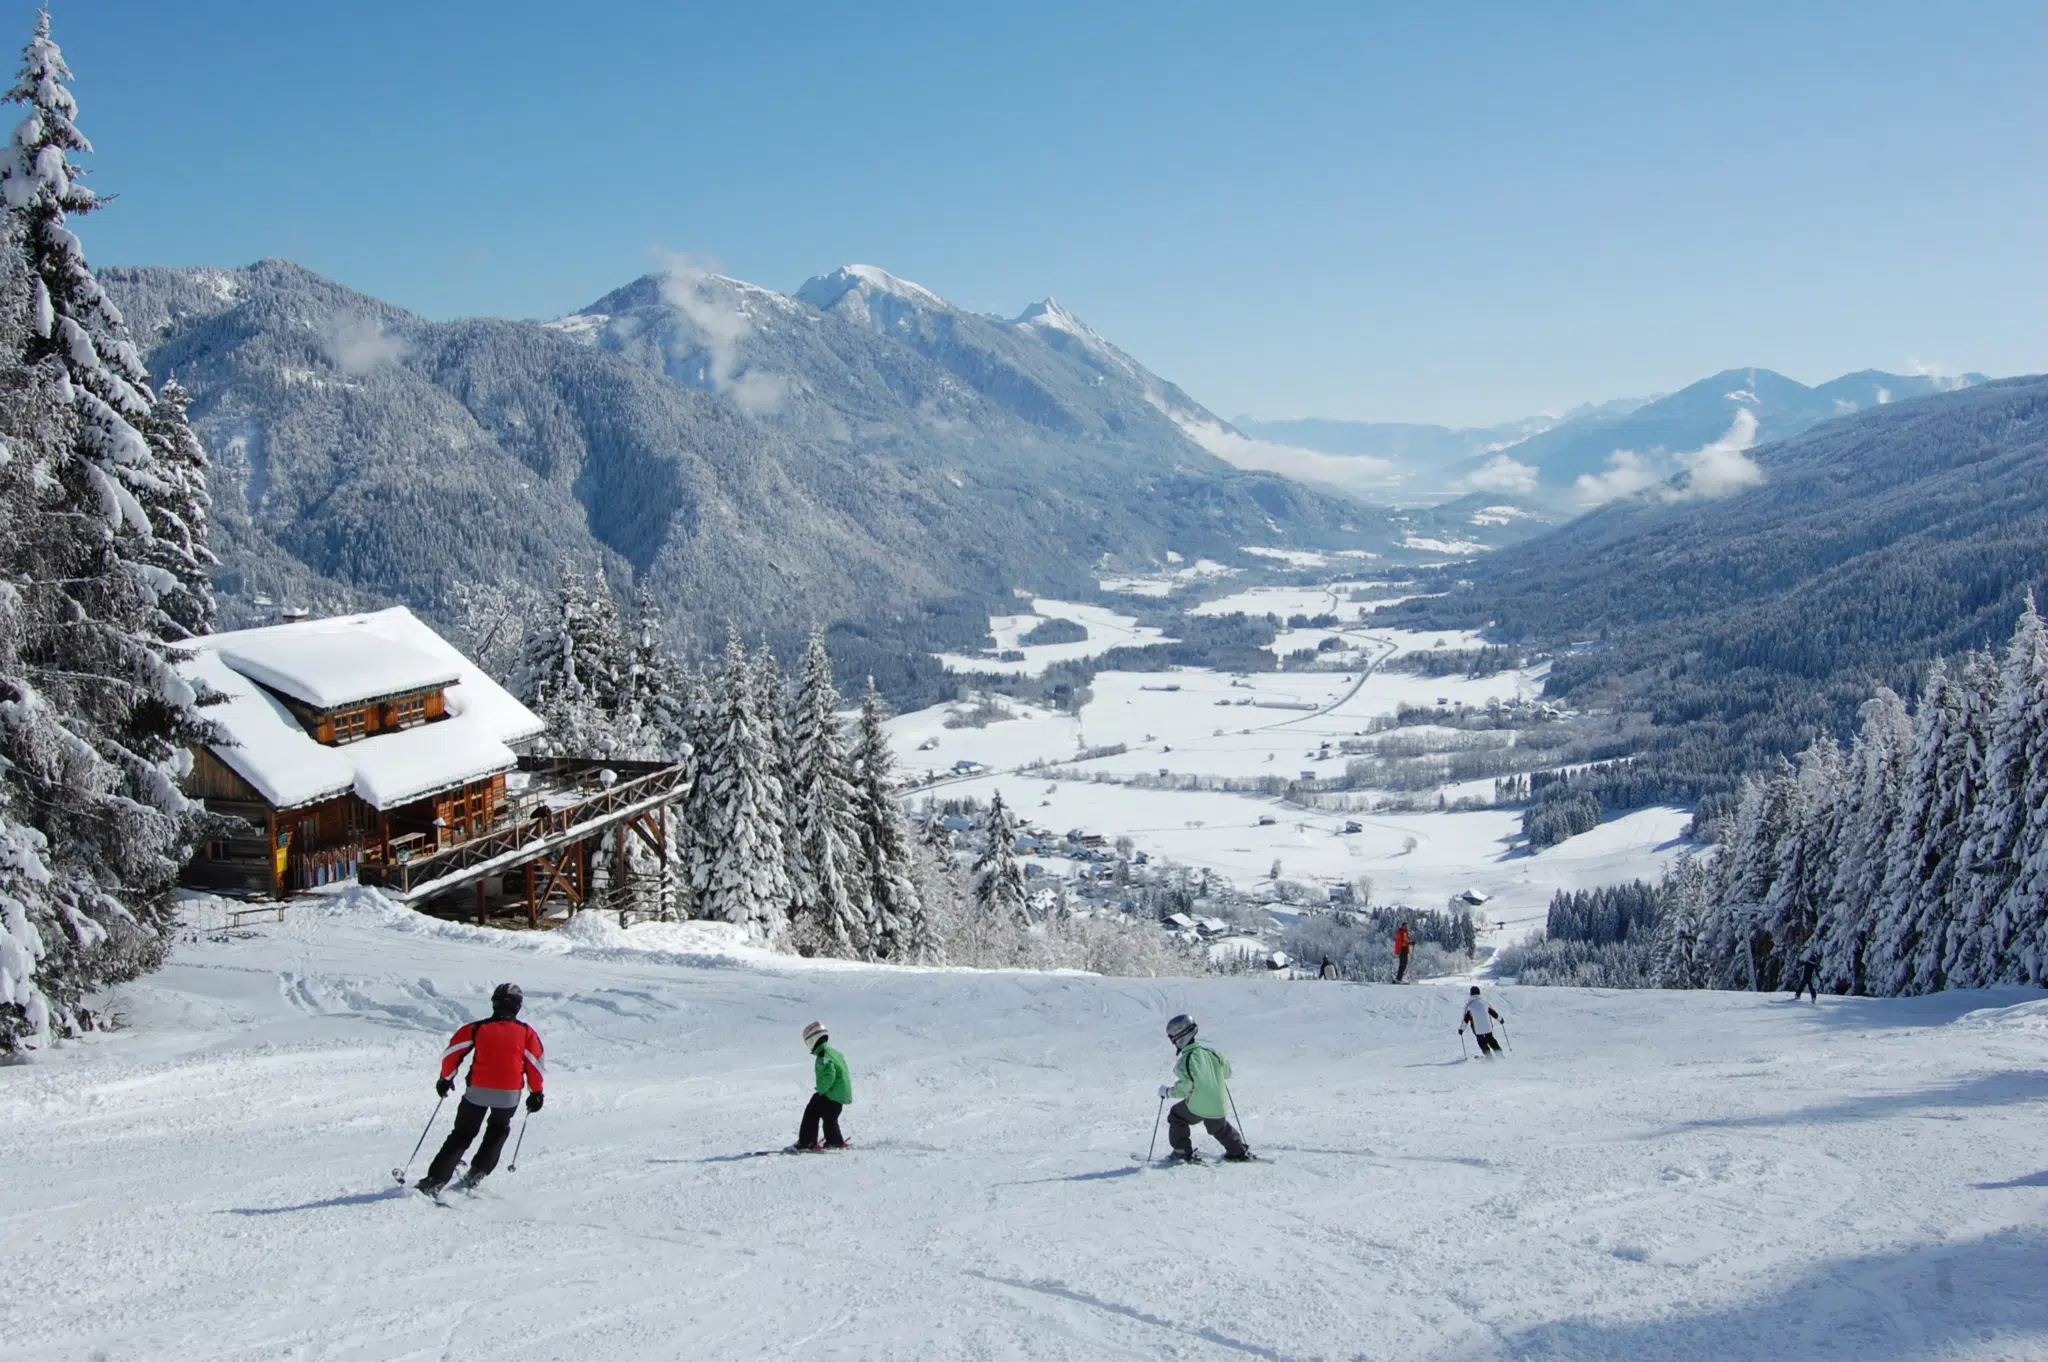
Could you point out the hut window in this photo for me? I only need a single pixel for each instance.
(350, 724)
(409, 712)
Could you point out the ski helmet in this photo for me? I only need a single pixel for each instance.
(505, 1000)
(814, 1035)
(1181, 1029)
(1475, 990)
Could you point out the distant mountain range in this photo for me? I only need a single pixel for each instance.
(1744, 626)
(862, 452)
(1595, 453)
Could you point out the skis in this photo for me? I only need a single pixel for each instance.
(1196, 1162)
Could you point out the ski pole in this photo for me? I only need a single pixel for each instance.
(1505, 1036)
(398, 1174)
(1232, 1099)
(512, 1165)
(1461, 1044)
(1155, 1130)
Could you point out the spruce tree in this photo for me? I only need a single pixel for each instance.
(578, 670)
(1908, 944)
(1875, 767)
(899, 928)
(2011, 817)
(657, 695)
(829, 884)
(1679, 954)
(180, 517)
(95, 724)
(1804, 883)
(772, 701)
(741, 875)
(998, 879)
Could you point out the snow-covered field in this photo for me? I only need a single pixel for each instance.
(1197, 723)
(1647, 1176)
(1106, 630)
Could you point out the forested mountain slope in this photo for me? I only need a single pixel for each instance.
(364, 453)
(1746, 626)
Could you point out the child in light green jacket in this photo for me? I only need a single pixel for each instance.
(1200, 1075)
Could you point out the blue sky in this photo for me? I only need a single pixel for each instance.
(1460, 213)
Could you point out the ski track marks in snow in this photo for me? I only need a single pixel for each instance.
(1647, 1175)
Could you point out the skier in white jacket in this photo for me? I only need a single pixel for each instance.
(1480, 1016)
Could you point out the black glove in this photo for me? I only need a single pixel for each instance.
(533, 1101)
(445, 1086)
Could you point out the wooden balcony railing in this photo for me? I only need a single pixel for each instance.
(536, 827)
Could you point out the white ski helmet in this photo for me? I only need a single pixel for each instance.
(1181, 1029)
(813, 1034)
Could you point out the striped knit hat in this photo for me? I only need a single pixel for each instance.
(813, 1034)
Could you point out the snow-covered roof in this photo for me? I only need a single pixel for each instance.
(333, 668)
(320, 659)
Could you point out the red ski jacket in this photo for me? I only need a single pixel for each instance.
(506, 1054)
(1401, 941)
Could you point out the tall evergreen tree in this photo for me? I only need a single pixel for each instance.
(180, 517)
(1875, 767)
(899, 926)
(830, 880)
(1907, 946)
(1803, 886)
(772, 700)
(656, 694)
(95, 724)
(742, 877)
(998, 879)
(1680, 956)
(578, 670)
(2008, 821)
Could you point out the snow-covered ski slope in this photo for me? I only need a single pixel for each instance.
(1647, 1176)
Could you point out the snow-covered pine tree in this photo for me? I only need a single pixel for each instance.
(741, 875)
(692, 819)
(829, 880)
(1804, 883)
(577, 672)
(95, 725)
(899, 928)
(180, 517)
(657, 697)
(2014, 804)
(1906, 949)
(1679, 959)
(998, 879)
(772, 701)
(1875, 766)
(2020, 922)
(1742, 878)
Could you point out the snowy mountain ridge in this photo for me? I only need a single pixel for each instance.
(741, 453)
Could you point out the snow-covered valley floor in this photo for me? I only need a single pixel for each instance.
(1648, 1175)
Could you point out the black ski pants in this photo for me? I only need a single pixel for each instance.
(469, 1118)
(821, 1111)
(1489, 1043)
(1806, 983)
(1179, 1133)
(1401, 972)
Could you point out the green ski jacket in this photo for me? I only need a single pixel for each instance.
(833, 1079)
(1201, 1072)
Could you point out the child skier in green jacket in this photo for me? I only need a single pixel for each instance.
(835, 1090)
(1200, 1073)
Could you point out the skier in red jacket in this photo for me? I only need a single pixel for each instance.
(504, 1057)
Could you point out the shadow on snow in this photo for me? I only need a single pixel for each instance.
(1920, 1302)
